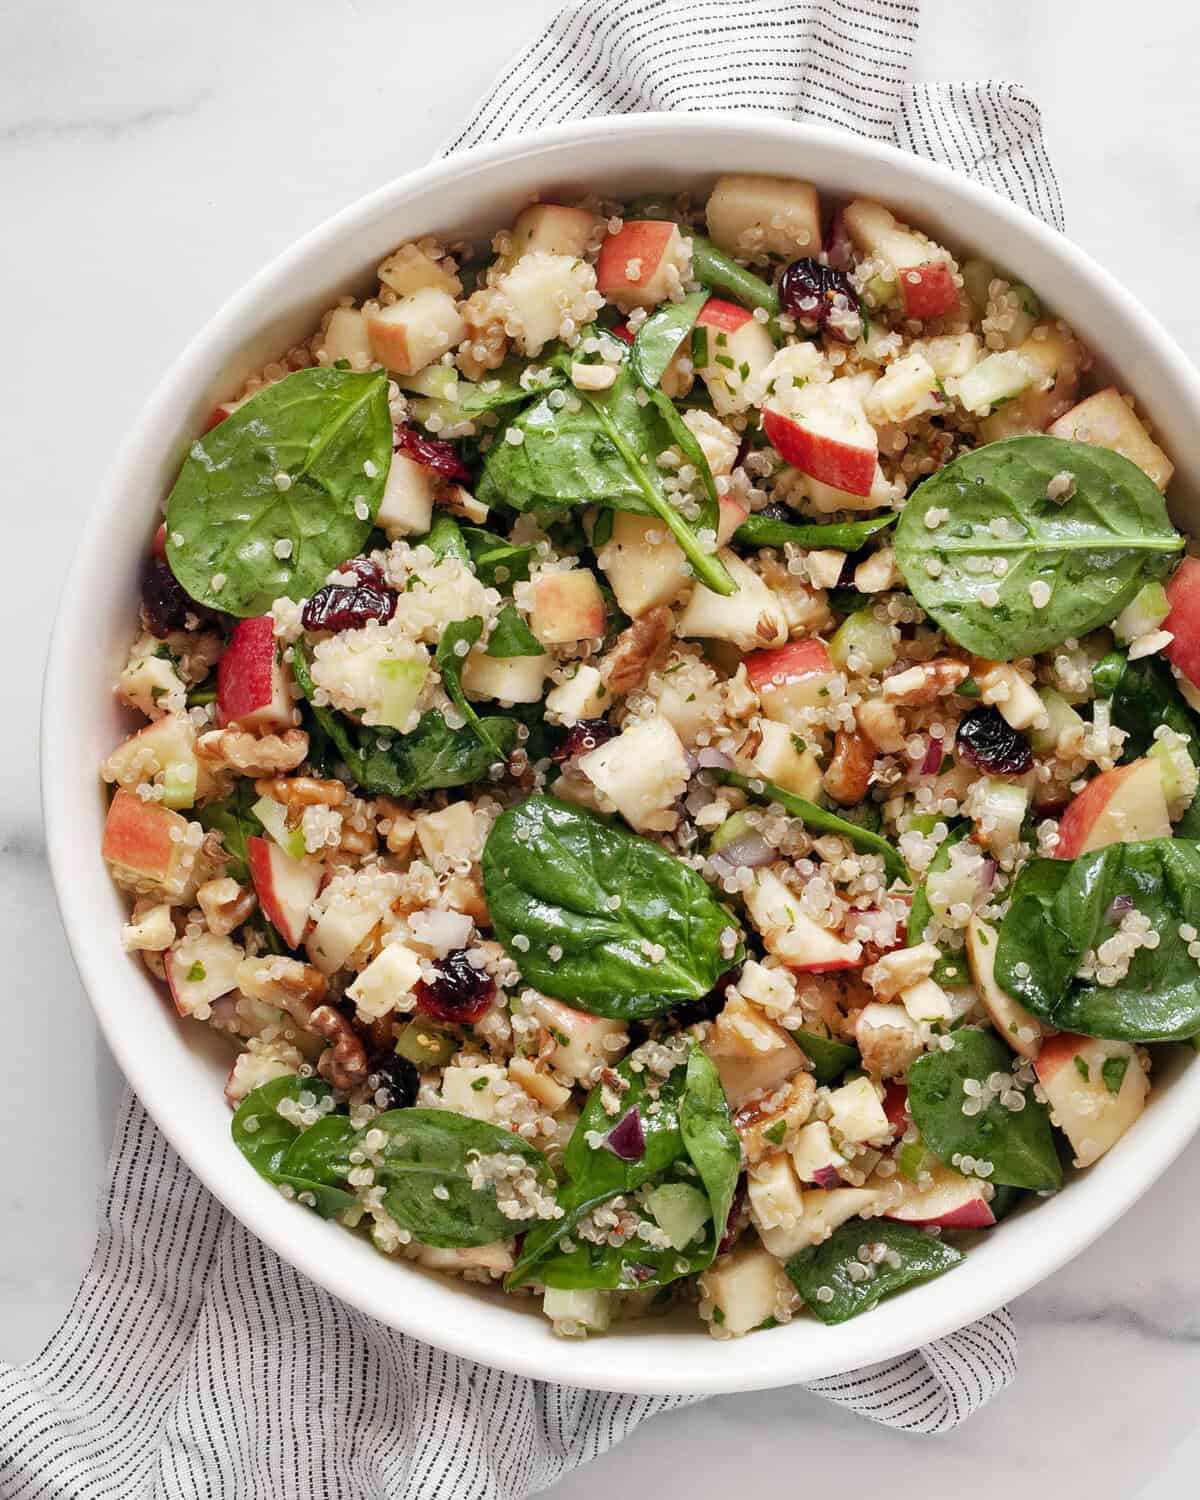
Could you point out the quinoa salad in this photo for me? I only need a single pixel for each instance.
(668, 749)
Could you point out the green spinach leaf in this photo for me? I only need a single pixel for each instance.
(661, 335)
(498, 564)
(819, 819)
(1061, 910)
(235, 821)
(846, 536)
(600, 899)
(445, 539)
(450, 662)
(829, 1057)
(711, 1142)
(271, 1143)
(511, 636)
(295, 465)
(826, 1267)
(426, 1168)
(1093, 551)
(1018, 1144)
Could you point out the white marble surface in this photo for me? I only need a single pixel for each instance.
(154, 153)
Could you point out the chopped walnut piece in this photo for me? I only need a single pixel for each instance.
(225, 904)
(344, 1062)
(287, 983)
(926, 682)
(847, 778)
(250, 755)
(639, 648)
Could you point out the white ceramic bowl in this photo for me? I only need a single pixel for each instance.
(178, 1069)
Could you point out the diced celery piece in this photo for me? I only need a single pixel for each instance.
(680, 1211)
(1144, 613)
(273, 817)
(402, 681)
(869, 638)
(733, 827)
(589, 1307)
(1060, 717)
(425, 1046)
(179, 784)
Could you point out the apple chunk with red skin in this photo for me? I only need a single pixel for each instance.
(635, 264)
(929, 290)
(827, 436)
(1123, 806)
(286, 887)
(792, 936)
(739, 349)
(790, 677)
(1183, 595)
(252, 690)
(138, 841)
(1096, 1090)
(567, 607)
(943, 1197)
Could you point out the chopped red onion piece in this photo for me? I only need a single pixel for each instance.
(933, 758)
(626, 1139)
(1120, 905)
(709, 759)
(747, 850)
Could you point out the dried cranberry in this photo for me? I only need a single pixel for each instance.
(985, 740)
(623, 332)
(709, 1006)
(810, 292)
(587, 735)
(398, 1079)
(433, 453)
(732, 1224)
(341, 607)
(459, 994)
(163, 598)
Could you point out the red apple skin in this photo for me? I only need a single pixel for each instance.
(259, 856)
(934, 295)
(159, 545)
(804, 658)
(1183, 595)
(245, 673)
(975, 1215)
(838, 464)
(1057, 1052)
(1083, 811)
(137, 835)
(725, 317)
(638, 239)
(895, 1105)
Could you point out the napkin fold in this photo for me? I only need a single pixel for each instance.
(194, 1362)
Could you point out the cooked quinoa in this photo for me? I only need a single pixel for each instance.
(680, 722)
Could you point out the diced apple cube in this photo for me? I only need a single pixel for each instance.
(824, 433)
(1057, 361)
(538, 1084)
(589, 1309)
(644, 263)
(1003, 686)
(943, 1197)
(474, 1091)
(200, 970)
(345, 924)
(582, 696)
(888, 1039)
(824, 1211)
(346, 338)
(386, 984)
(922, 269)
(451, 834)
(792, 936)
(739, 350)
(1183, 621)
(902, 969)
(1108, 421)
(644, 563)
(748, 618)
(752, 1055)
(776, 1201)
(513, 679)
(775, 756)
(642, 772)
(950, 355)
(1096, 1090)
(286, 887)
(815, 1158)
(408, 494)
(542, 290)
(927, 1001)
(1023, 1032)
(753, 216)
(167, 745)
(581, 1042)
(791, 678)
(410, 270)
(856, 1114)
(906, 389)
(415, 331)
(145, 844)
(567, 607)
(252, 686)
(556, 230)
(1126, 805)
(747, 1287)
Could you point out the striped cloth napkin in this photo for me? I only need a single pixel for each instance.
(193, 1361)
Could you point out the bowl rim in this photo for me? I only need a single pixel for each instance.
(622, 1365)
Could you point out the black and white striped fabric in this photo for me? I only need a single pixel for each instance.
(194, 1362)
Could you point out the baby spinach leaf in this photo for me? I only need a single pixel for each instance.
(1018, 1144)
(445, 539)
(600, 449)
(829, 1057)
(385, 764)
(235, 821)
(511, 636)
(271, 1143)
(516, 380)
(498, 564)
(846, 536)
(819, 819)
(660, 336)
(951, 967)
(1094, 551)
(600, 899)
(1061, 910)
(295, 465)
(425, 1168)
(709, 1138)
(450, 662)
(828, 1266)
